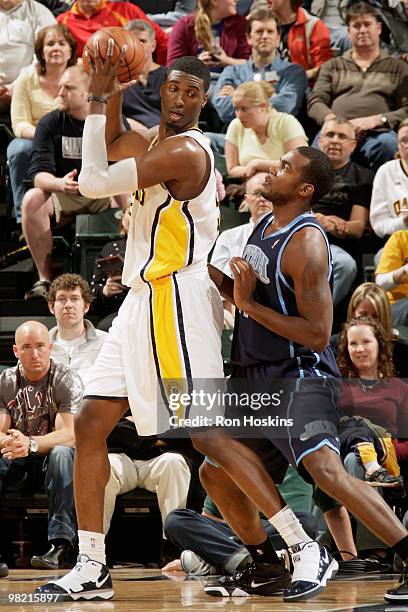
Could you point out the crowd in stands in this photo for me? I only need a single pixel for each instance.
(284, 74)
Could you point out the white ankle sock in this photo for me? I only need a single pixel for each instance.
(93, 545)
(289, 527)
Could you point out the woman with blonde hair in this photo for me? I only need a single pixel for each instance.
(259, 133)
(370, 300)
(215, 33)
(36, 94)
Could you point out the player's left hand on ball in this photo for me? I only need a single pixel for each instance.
(244, 281)
(104, 82)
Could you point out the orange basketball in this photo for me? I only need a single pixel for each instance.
(133, 60)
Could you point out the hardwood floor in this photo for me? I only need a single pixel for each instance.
(148, 590)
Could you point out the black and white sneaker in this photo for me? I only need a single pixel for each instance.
(252, 580)
(399, 595)
(312, 567)
(87, 580)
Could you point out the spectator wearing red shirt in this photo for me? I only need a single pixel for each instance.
(87, 16)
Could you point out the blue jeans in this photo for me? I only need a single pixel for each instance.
(399, 312)
(344, 273)
(376, 149)
(365, 540)
(18, 155)
(58, 482)
(215, 542)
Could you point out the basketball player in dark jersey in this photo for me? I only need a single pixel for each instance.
(281, 289)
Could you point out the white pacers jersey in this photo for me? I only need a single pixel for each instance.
(167, 235)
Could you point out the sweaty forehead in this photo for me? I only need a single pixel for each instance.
(183, 78)
(295, 159)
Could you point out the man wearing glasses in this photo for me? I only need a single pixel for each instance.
(343, 212)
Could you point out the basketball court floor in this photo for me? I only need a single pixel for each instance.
(148, 590)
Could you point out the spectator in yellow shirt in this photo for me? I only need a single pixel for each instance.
(392, 275)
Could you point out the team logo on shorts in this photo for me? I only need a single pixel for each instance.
(173, 387)
(318, 427)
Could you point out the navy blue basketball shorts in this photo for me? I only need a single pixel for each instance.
(295, 408)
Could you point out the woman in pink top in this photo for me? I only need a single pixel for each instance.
(35, 94)
(214, 33)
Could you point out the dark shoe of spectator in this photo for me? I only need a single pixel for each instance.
(61, 555)
(381, 478)
(3, 570)
(39, 290)
(364, 566)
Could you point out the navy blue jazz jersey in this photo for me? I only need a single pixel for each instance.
(253, 343)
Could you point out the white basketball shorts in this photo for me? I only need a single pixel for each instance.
(166, 331)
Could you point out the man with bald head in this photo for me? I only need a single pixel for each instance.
(38, 400)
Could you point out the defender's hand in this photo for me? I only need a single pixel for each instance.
(244, 282)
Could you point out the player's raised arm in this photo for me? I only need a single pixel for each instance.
(182, 164)
(120, 142)
(96, 178)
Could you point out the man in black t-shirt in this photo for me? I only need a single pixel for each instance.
(343, 212)
(38, 399)
(54, 166)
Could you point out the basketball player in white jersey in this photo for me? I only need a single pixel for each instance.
(173, 309)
